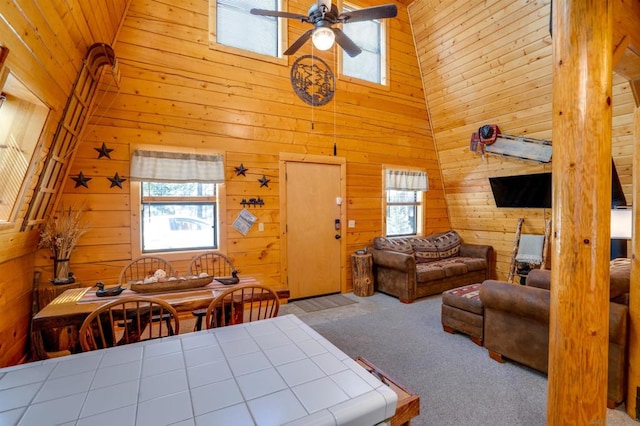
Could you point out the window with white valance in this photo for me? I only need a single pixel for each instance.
(404, 201)
(179, 208)
(406, 180)
(159, 166)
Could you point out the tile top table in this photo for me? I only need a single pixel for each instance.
(271, 372)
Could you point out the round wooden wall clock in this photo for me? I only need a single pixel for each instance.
(312, 80)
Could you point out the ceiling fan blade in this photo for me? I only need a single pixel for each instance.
(346, 43)
(278, 14)
(369, 13)
(298, 43)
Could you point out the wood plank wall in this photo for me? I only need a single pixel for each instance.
(47, 41)
(489, 62)
(176, 91)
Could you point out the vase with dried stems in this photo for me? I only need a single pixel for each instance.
(60, 235)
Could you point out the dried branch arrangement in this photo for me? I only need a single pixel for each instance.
(61, 234)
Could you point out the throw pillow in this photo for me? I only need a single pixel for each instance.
(448, 243)
(402, 245)
(425, 250)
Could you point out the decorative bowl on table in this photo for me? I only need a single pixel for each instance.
(185, 283)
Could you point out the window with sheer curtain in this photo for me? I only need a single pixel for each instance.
(179, 200)
(404, 201)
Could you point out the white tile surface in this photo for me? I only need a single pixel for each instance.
(203, 355)
(19, 396)
(271, 340)
(215, 396)
(211, 372)
(161, 347)
(320, 394)
(237, 415)
(162, 364)
(270, 372)
(350, 413)
(259, 383)
(24, 376)
(329, 363)
(64, 386)
(301, 371)
(81, 364)
(276, 409)
(249, 363)
(165, 410)
(238, 347)
(162, 385)
(121, 355)
(53, 412)
(125, 416)
(11, 417)
(110, 397)
(198, 340)
(116, 374)
(284, 354)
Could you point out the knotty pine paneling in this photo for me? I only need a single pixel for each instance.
(47, 42)
(175, 91)
(490, 62)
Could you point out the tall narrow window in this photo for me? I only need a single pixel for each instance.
(370, 65)
(233, 25)
(404, 201)
(22, 118)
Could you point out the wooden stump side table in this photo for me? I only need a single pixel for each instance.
(362, 265)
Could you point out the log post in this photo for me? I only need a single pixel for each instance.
(579, 310)
(633, 374)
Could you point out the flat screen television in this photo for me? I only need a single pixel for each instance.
(522, 191)
(534, 190)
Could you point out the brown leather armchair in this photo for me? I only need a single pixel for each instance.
(516, 326)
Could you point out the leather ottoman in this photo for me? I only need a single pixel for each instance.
(463, 312)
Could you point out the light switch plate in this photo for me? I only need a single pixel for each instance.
(352, 224)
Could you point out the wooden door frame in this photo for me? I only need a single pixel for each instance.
(317, 159)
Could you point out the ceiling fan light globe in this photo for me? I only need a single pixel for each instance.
(323, 38)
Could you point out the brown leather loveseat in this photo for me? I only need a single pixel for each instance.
(516, 324)
(413, 267)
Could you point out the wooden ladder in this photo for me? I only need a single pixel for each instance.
(516, 247)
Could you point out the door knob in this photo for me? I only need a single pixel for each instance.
(338, 236)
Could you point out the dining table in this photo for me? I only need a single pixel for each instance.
(277, 371)
(72, 307)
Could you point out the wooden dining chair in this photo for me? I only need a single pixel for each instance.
(143, 267)
(242, 303)
(216, 265)
(128, 320)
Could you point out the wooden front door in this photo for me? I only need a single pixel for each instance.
(313, 251)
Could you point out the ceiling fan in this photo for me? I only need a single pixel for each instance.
(322, 15)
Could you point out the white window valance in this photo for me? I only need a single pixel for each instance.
(406, 180)
(158, 166)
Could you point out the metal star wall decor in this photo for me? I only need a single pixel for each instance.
(103, 151)
(116, 180)
(81, 180)
(241, 170)
(264, 181)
